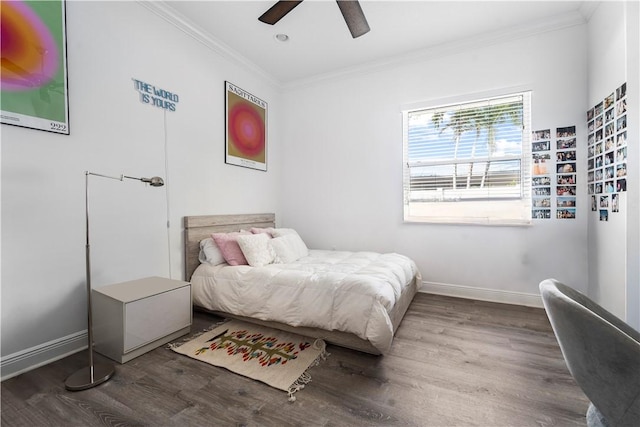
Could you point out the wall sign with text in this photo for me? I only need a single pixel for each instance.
(155, 96)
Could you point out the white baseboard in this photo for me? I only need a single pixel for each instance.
(482, 294)
(17, 363)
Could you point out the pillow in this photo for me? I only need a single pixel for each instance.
(288, 248)
(256, 249)
(267, 231)
(227, 242)
(297, 244)
(282, 249)
(210, 253)
(279, 232)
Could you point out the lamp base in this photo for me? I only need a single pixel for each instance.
(81, 380)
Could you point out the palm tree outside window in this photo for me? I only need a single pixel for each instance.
(469, 162)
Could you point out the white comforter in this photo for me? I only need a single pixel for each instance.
(333, 290)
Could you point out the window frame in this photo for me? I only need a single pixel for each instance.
(465, 210)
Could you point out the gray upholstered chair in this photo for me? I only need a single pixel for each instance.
(601, 351)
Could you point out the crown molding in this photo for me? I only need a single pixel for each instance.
(446, 49)
(169, 14)
(166, 12)
(588, 8)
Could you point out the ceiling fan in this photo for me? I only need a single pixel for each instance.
(351, 11)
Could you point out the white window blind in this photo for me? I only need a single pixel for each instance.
(469, 162)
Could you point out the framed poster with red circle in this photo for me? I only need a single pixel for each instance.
(245, 128)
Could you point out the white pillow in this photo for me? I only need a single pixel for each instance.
(282, 249)
(210, 253)
(267, 231)
(288, 248)
(279, 232)
(298, 245)
(256, 249)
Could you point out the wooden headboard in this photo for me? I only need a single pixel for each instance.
(200, 227)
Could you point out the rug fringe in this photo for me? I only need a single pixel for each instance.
(176, 344)
(305, 377)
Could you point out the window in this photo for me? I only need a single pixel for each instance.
(469, 162)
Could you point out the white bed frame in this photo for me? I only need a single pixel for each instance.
(200, 227)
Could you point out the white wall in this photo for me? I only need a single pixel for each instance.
(112, 132)
(632, 38)
(343, 180)
(335, 162)
(613, 245)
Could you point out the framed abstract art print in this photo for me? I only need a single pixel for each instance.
(245, 129)
(34, 89)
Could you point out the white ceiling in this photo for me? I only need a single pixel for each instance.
(320, 42)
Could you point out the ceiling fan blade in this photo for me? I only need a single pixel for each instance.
(278, 11)
(354, 17)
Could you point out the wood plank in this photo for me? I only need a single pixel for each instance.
(197, 228)
(454, 362)
(234, 219)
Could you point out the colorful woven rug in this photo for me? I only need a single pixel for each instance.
(279, 359)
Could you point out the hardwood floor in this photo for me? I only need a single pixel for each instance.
(454, 362)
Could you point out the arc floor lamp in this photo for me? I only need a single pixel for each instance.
(96, 373)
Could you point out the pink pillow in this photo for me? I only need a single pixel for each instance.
(228, 244)
(266, 231)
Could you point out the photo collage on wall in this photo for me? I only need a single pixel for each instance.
(607, 153)
(554, 177)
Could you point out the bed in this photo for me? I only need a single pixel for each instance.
(351, 299)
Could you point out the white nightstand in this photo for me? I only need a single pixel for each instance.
(132, 318)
